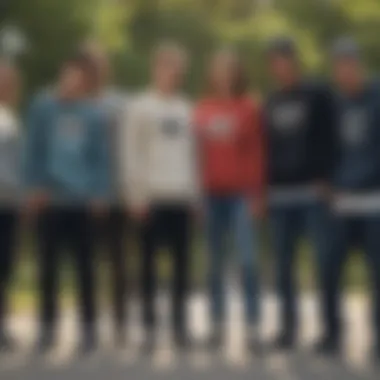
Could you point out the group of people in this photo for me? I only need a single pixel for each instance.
(89, 162)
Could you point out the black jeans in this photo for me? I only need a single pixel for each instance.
(8, 227)
(70, 229)
(168, 225)
(112, 234)
(288, 223)
(346, 233)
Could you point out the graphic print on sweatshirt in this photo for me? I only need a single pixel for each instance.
(354, 127)
(220, 127)
(172, 127)
(289, 117)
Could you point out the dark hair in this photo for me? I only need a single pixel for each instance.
(240, 85)
(84, 62)
(283, 46)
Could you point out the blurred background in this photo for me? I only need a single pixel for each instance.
(41, 33)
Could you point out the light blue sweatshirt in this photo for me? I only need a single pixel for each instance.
(114, 104)
(66, 150)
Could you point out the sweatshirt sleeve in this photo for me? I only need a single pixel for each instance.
(100, 158)
(34, 149)
(195, 162)
(324, 136)
(256, 164)
(133, 148)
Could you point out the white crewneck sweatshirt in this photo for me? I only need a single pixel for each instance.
(159, 160)
(10, 157)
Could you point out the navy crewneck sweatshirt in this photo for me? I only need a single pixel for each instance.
(358, 140)
(299, 126)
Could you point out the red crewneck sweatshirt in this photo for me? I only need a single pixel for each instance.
(231, 146)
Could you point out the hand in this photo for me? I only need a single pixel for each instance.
(37, 202)
(140, 213)
(98, 209)
(323, 189)
(197, 214)
(259, 207)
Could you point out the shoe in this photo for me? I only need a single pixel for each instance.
(45, 343)
(88, 345)
(120, 340)
(284, 342)
(253, 340)
(7, 344)
(215, 341)
(182, 341)
(376, 356)
(327, 346)
(149, 345)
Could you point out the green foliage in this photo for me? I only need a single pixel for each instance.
(129, 28)
(52, 28)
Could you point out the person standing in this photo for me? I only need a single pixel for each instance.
(231, 158)
(114, 226)
(356, 188)
(161, 183)
(10, 187)
(67, 183)
(298, 121)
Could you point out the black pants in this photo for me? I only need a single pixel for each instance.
(68, 230)
(168, 225)
(8, 224)
(346, 233)
(112, 232)
(288, 223)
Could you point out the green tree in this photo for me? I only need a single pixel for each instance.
(53, 29)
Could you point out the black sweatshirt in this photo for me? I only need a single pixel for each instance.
(358, 141)
(299, 127)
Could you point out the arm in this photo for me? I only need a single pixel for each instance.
(195, 161)
(257, 151)
(256, 162)
(100, 160)
(132, 158)
(324, 135)
(34, 156)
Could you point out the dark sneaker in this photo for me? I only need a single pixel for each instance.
(45, 343)
(7, 344)
(88, 345)
(182, 341)
(149, 345)
(255, 345)
(215, 341)
(327, 346)
(120, 339)
(376, 356)
(284, 342)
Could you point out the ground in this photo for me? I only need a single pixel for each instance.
(233, 363)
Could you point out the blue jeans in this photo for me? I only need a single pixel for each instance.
(348, 232)
(288, 223)
(227, 215)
